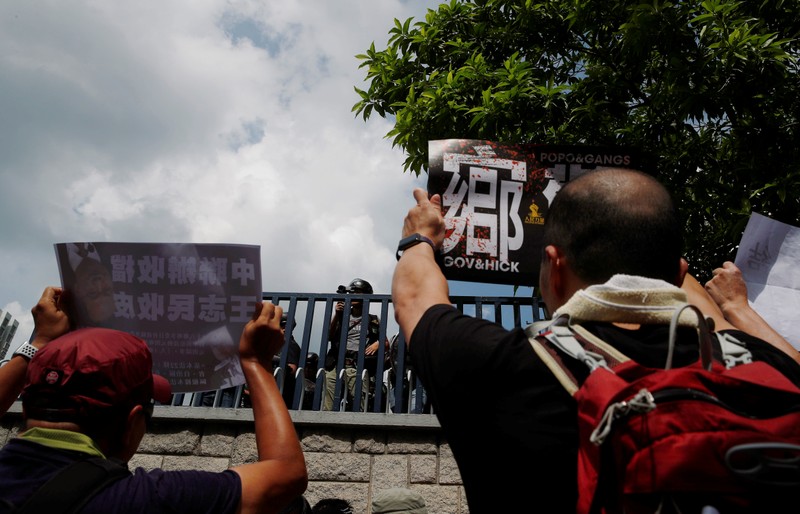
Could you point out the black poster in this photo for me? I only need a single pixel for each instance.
(495, 199)
(189, 302)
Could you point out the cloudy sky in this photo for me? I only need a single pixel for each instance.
(197, 121)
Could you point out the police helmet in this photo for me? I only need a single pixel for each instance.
(284, 321)
(359, 286)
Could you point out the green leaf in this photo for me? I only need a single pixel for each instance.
(709, 88)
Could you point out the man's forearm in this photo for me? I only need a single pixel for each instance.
(12, 375)
(748, 320)
(418, 282)
(417, 285)
(275, 434)
(698, 296)
(280, 474)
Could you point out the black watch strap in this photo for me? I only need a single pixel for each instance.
(413, 239)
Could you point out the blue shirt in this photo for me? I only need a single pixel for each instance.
(26, 465)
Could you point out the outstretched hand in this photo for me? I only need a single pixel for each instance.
(262, 336)
(729, 291)
(426, 217)
(728, 288)
(418, 281)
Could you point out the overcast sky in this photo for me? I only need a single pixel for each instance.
(198, 122)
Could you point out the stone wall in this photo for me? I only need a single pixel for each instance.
(349, 455)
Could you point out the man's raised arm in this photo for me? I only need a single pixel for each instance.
(729, 291)
(418, 282)
(279, 476)
(50, 322)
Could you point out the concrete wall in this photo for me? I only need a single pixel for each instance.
(349, 455)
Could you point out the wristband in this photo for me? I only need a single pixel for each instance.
(413, 239)
(27, 350)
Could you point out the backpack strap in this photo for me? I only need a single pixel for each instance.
(734, 352)
(553, 340)
(72, 487)
(703, 334)
(561, 339)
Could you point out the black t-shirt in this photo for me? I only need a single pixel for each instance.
(373, 331)
(511, 425)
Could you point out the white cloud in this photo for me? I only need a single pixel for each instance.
(196, 121)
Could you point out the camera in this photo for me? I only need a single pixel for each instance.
(341, 290)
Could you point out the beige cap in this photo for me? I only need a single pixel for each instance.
(398, 500)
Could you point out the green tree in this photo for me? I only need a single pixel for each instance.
(710, 89)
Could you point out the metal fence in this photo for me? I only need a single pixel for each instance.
(384, 383)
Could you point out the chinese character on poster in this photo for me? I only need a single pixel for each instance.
(189, 302)
(495, 199)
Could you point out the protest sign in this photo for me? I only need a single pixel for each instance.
(495, 199)
(189, 302)
(769, 258)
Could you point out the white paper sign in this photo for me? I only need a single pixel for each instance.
(769, 257)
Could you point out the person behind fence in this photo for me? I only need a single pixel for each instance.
(500, 407)
(88, 397)
(353, 341)
(292, 360)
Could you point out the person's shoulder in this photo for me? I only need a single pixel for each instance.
(158, 489)
(187, 477)
(444, 321)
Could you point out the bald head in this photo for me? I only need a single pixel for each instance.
(616, 221)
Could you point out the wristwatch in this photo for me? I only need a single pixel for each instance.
(413, 239)
(27, 350)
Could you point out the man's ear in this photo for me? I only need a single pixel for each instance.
(551, 278)
(683, 269)
(135, 428)
(555, 266)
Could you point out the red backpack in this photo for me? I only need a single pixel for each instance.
(705, 438)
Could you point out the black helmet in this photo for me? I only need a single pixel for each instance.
(359, 286)
(284, 321)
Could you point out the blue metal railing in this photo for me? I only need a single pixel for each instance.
(382, 384)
